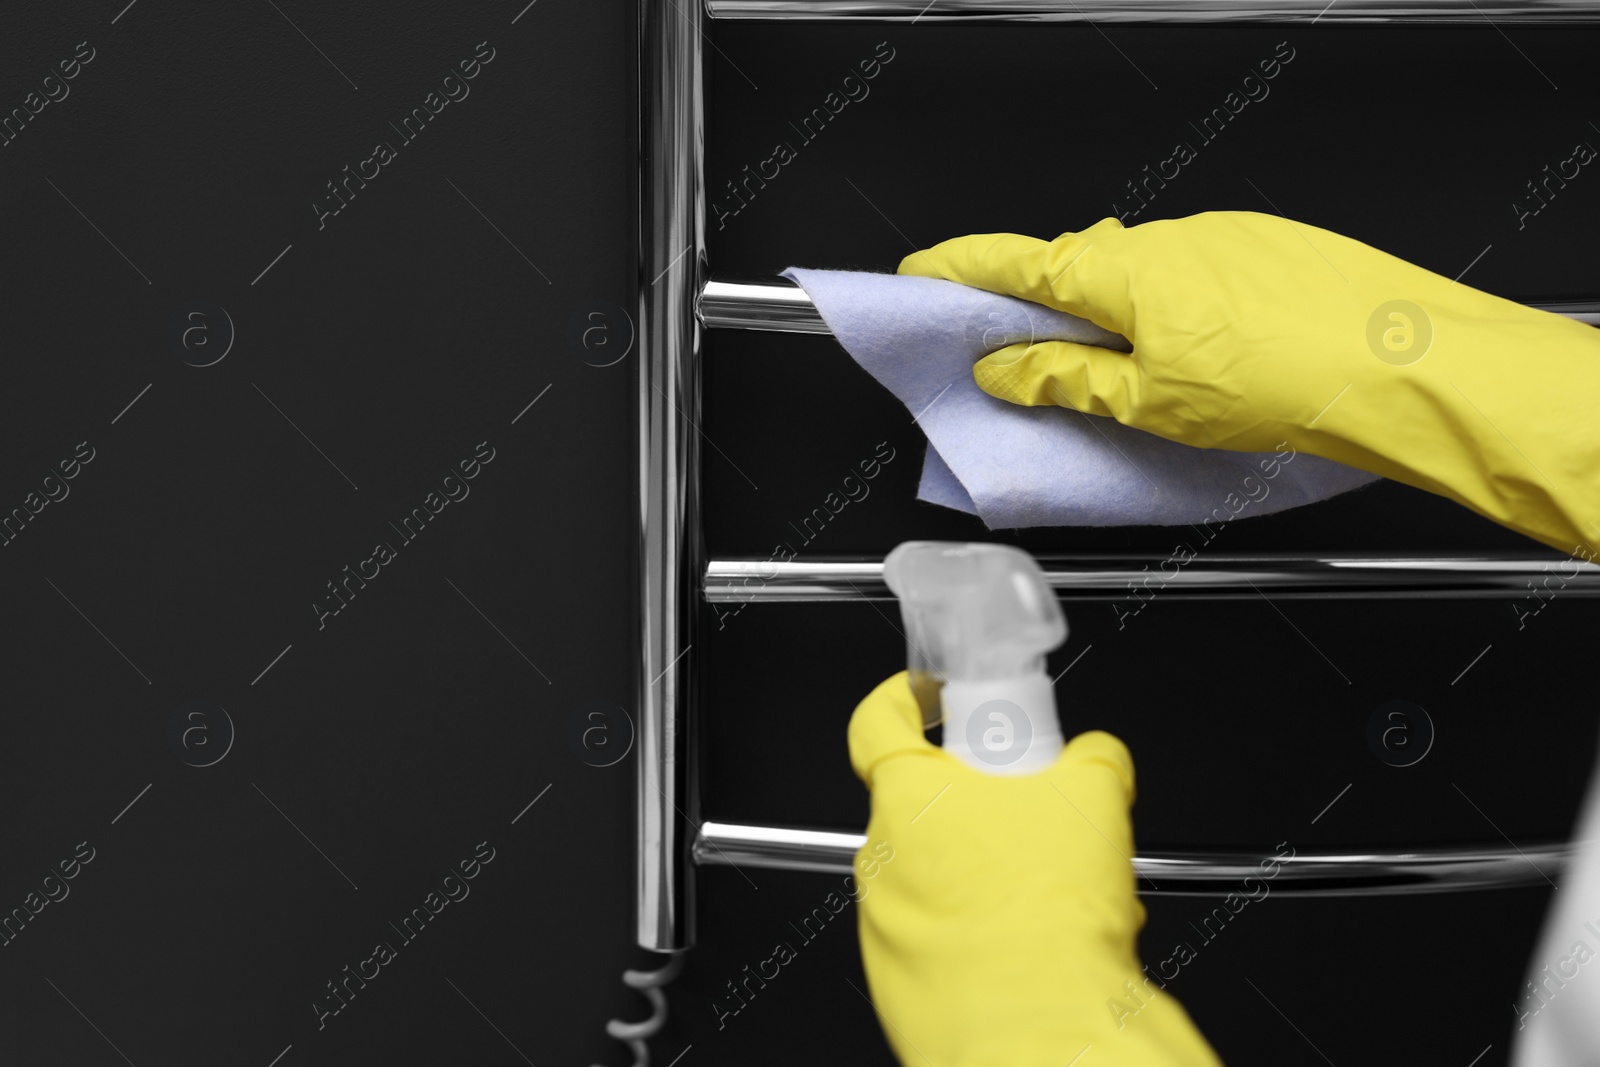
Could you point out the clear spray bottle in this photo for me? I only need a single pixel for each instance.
(979, 619)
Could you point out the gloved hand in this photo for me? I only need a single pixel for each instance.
(1249, 330)
(1000, 929)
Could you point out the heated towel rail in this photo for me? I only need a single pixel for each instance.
(677, 299)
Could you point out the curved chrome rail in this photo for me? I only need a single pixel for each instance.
(1218, 577)
(1483, 13)
(779, 305)
(1188, 874)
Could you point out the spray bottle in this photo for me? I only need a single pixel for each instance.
(979, 619)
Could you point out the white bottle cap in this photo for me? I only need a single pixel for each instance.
(1004, 726)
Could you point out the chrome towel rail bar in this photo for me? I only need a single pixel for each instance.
(667, 513)
(1365, 873)
(779, 305)
(1218, 577)
(1483, 13)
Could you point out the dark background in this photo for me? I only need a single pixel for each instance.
(370, 755)
(379, 750)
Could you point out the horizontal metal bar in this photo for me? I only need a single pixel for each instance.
(1585, 311)
(1234, 12)
(779, 305)
(1187, 874)
(775, 304)
(1214, 578)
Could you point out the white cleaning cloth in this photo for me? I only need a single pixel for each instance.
(1016, 466)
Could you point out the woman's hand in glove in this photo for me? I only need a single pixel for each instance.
(1000, 930)
(1249, 330)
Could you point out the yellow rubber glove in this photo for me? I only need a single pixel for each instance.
(1249, 330)
(998, 927)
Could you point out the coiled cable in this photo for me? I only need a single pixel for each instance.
(649, 983)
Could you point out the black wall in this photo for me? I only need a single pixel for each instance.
(342, 764)
(372, 357)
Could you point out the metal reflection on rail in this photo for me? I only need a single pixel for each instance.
(1484, 13)
(1220, 577)
(776, 304)
(1331, 874)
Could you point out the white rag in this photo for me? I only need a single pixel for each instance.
(1015, 466)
